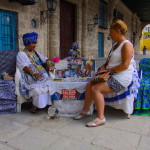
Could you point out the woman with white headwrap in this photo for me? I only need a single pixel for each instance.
(34, 77)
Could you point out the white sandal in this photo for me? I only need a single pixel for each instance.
(82, 115)
(96, 122)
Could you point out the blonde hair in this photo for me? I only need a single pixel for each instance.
(119, 24)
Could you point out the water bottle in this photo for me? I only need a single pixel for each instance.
(52, 111)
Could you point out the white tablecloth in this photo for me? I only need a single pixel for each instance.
(59, 86)
(68, 108)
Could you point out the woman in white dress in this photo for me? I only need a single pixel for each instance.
(120, 64)
(34, 77)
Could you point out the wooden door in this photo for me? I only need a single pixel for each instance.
(67, 27)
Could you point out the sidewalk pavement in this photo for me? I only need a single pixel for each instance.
(26, 131)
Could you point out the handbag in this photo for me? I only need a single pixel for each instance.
(101, 77)
(104, 75)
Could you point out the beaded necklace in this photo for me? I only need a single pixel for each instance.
(34, 60)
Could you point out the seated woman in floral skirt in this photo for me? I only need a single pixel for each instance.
(120, 63)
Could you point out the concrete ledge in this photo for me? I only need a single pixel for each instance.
(137, 57)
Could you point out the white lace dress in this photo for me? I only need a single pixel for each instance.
(39, 90)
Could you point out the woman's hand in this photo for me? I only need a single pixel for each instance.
(102, 68)
(32, 73)
(100, 71)
(50, 65)
(37, 76)
(50, 68)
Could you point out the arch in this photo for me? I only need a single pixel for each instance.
(145, 38)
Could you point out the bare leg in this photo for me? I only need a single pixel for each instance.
(94, 91)
(97, 92)
(100, 104)
(87, 103)
(88, 97)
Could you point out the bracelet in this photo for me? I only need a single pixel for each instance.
(33, 73)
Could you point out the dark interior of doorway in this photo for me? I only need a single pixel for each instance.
(67, 27)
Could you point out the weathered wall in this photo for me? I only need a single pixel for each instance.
(93, 8)
(25, 14)
(49, 34)
(54, 28)
(134, 25)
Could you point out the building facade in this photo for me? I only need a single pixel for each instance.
(72, 21)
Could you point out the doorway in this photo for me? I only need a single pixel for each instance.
(67, 27)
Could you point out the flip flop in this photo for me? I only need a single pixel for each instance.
(33, 110)
(82, 115)
(96, 122)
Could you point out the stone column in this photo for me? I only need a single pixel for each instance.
(84, 28)
(54, 33)
(111, 6)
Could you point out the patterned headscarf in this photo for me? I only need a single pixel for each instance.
(29, 38)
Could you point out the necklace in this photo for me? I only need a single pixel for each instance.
(34, 60)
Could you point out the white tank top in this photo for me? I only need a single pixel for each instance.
(124, 77)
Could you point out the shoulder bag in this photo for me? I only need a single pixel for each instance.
(104, 75)
(101, 77)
